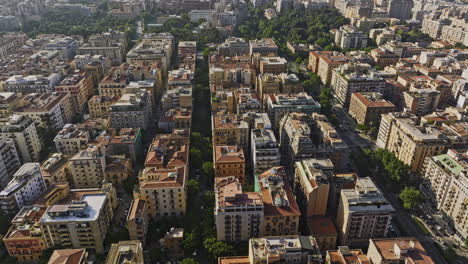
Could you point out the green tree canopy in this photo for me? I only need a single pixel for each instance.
(410, 197)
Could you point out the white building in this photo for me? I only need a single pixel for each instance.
(9, 161)
(265, 150)
(23, 132)
(25, 187)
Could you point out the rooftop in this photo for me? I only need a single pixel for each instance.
(86, 209)
(408, 248)
(228, 154)
(68, 256)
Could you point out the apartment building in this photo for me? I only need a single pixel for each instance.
(130, 251)
(411, 143)
(247, 102)
(230, 130)
(99, 105)
(176, 118)
(349, 37)
(352, 78)
(9, 161)
(445, 184)
(24, 239)
(238, 215)
(87, 167)
(164, 191)
(133, 110)
(55, 169)
(229, 160)
(7, 101)
(22, 131)
(177, 97)
(346, 256)
(398, 249)
(118, 169)
(363, 213)
(169, 150)
(400, 9)
(79, 87)
(23, 189)
(281, 213)
(323, 63)
(367, 108)
(71, 139)
(31, 84)
(69, 256)
(324, 231)
(111, 44)
(137, 221)
(47, 110)
(233, 46)
(264, 46)
(127, 142)
(114, 83)
(290, 83)
(421, 101)
(312, 178)
(265, 150)
(66, 46)
(304, 136)
(81, 219)
(267, 84)
(284, 249)
(275, 65)
(279, 105)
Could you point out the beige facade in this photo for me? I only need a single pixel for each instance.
(55, 170)
(81, 223)
(410, 143)
(230, 130)
(137, 220)
(445, 183)
(80, 88)
(267, 84)
(164, 191)
(99, 105)
(366, 108)
(229, 160)
(324, 231)
(23, 132)
(87, 168)
(363, 213)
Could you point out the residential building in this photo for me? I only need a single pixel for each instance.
(137, 221)
(22, 131)
(27, 184)
(400, 9)
(164, 191)
(99, 105)
(247, 102)
(323, 64)
(275, 65)
(292, 249)
(421, 101)
(304, 136)
(87, 168)
(238, 215)
(9, 161)
(397, 250)
(281, 213)
(127, 142)
(363, 213)
(169, 150)
(410, 142)
(24, 238)
(346, 256)
(267, 84)
(173, 242)
(313, 185)
(197, 14)
(230, 130)
(69, 256)
(445, 184)
(79, 87)
(233, 46)
(177, 98)
(30, 84)
(324, 231)
(352, 78)
(132, 110)
(176, 118)
(264, 46)
(279, 105)
(111, 44)
(290, 83)
(81, 219)
(367, 108)
(55, 169)
(130, 251)
(349, 37)
(118, 169)
(229, 160)
(66, 46)
(265, 150)
(71, 139)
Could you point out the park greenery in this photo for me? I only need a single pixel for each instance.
(298, 26)
(414, 35)
(73, 23)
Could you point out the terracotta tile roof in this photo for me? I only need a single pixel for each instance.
(165, 178)
(278, 198)
(355, 256)
(68, 256)
(229, 154)
(416, 254)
